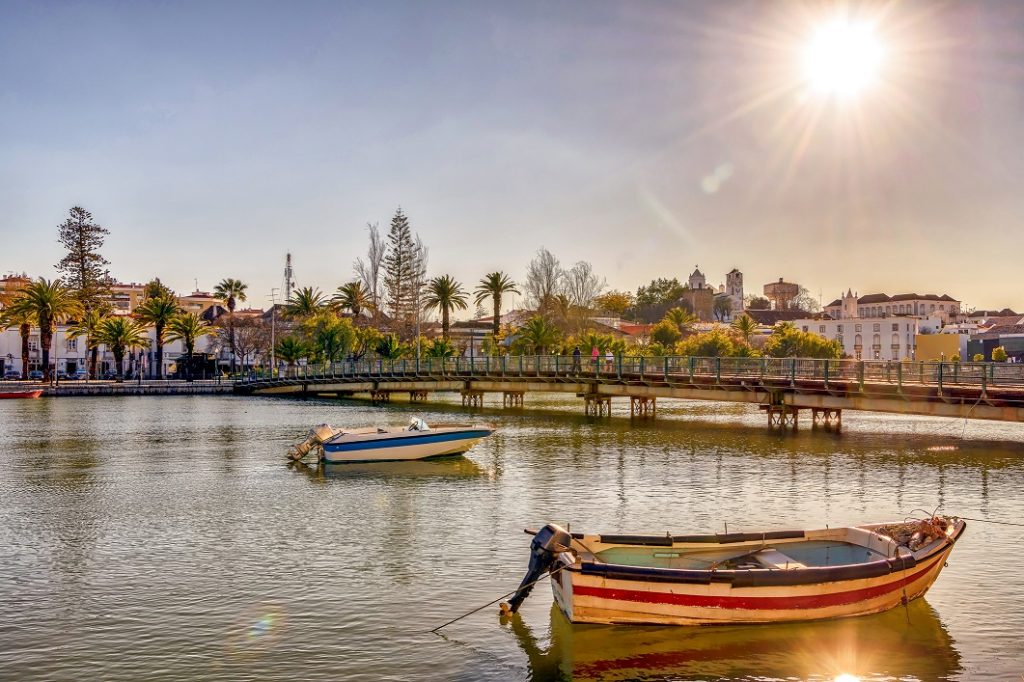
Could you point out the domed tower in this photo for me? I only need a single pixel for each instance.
(697, 280)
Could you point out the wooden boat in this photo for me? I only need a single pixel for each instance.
(768, 577)
(33, 393)
(417, 441)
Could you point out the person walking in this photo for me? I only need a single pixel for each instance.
(609, 358)
(594, 355)
(576, 359)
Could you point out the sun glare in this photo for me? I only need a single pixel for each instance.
(842, 58)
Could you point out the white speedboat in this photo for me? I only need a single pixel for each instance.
(417, 441)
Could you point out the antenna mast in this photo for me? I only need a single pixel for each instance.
(289, 281)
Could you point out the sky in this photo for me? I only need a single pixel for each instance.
(646, 137)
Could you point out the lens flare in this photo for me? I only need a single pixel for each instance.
(842, 58)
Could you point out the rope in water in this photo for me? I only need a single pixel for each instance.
(1001, 523)
(491, 603)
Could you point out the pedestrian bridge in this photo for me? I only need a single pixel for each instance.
(783, 387)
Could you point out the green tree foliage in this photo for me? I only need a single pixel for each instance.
(47, 303)
(232, 292)
(665, 333)
(614, 302)
(156, 289)
(22, 319)
(122, 335)
(291, 349)
(494, 285)
(999, 354)
(721, 308)
(660, 291)
(759, 303)
(536, 337)
(83, 269)
(439, 348)
(404, 268)
(187, 328)
(745, 327)
(158, 312)
(88, 326)
(978, 357)
(390, 347)
(366, 339)
(683, 320)
(444, 294)
(789, 342)
(330, 336)
(713, 344)
(305, 302)
(352, 297)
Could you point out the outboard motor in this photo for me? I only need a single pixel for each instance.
(316, 438)
(547, 544)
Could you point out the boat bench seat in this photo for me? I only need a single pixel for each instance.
(773, 558)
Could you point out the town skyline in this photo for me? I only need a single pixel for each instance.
(210, 147)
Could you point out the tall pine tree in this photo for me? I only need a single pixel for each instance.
(404, 267)
(83, 268)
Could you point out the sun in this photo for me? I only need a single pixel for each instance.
(842, 58)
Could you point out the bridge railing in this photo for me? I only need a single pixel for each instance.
(673, 369)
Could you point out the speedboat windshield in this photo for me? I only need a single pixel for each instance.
(418, 424)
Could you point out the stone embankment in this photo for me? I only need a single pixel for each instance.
(111, 388)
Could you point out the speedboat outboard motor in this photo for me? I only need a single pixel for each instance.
(547, 544)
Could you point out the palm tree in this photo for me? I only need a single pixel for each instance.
(682, 319)
(305, 302)
(23, 321)
(291, 349)
(159, 311)
(745, 326)
(120, 335)
(493, 286)
(89, 327)
(353, 297)
(187, 327)
(232, 292)
(49, 303)
(441, 348)
(539, 334)
(446, 295)
(389, 347)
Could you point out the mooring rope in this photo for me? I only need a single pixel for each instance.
(495, 601)
(1001, 523)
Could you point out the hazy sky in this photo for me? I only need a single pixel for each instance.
(645, 137)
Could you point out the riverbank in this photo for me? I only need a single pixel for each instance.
(144, 388)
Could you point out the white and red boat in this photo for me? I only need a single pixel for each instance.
(32, 393)
(768, 577)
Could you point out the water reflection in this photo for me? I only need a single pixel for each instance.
(449, 467)
(909, 644)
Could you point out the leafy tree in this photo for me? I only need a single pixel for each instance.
(494, 286)
(713, 344)
(665, 333)
(157, 289)
(404, 268)
(978, 357)
(232, 292)
(660, 291)
(805, 301)
(543, 281)
(305, 302)
(330, 335)
(745, 327)
(787, 341)
(121, 335)
(352, 297)
(48, 303)
(291, 349)
(721, 308)
(83, 268)
(758, 303)
(158, 312)
(389, 347)
(614, 302)
(537, 336)
(88, 326)
(581, 285)
(999, 354)
(682, 319)
(366, 340)
(22, 319)
(445, 294)
(440, 348)
(187, 328)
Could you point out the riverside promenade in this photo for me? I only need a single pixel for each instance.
(130, 387)
(782, 387)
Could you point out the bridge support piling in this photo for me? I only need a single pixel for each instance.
(597, 405)
(782, 416)
(827, 417)
(512, 399)
(418, 396)
(378, 397)
(642, 406)
(472, 398)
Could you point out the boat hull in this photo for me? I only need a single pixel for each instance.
(21, 394)
(594, 599)
(404, 446)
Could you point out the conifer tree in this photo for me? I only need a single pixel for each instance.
(404, 270)
(83, 268)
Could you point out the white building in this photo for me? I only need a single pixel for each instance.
(850, 305)
(873, 338)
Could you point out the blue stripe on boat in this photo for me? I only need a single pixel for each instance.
(401, 441)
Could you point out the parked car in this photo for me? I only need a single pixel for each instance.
(110, 375)
(12, 375)
(61, 375)
(35, 375)
(80, 375)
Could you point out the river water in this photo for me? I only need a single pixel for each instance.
(166, 538)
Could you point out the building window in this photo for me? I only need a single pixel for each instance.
(33, 345)
(821, 329)
(878, 327)
(71, 344)
(856, 327)
(896, 327)
(839, 329)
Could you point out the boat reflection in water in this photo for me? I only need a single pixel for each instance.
(455, 466)
(882, 646)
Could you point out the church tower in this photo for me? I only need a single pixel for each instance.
(697, 280)
(734, 288)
